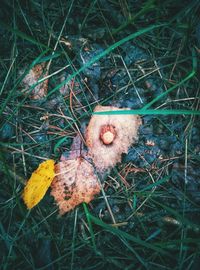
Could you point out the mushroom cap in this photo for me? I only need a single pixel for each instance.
(108, 136)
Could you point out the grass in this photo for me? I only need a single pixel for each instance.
(147, 216)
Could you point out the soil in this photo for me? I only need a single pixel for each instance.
(158, 177)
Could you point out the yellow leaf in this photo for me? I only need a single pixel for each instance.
(38, 184)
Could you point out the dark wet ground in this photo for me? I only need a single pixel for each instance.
(168, 145)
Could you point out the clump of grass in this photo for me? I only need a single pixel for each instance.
(147, 216)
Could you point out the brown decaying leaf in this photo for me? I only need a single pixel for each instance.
(75, 182)
(36, 73)
(108, 136)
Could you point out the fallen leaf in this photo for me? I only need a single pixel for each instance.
(108, 136)
(76, 149)
(38, 183)
(75, 182)
(36, 73)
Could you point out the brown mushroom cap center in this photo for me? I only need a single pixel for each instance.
(107, 134)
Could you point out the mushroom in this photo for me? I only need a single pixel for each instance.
(108, 136)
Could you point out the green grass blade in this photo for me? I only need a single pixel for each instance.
(184, 221)
(23, 36)
(88, 216)
(149, 5)
(127, 236)
(105, 52)
(145, 112)
(188, 77)
(159, 182)
(12, 91)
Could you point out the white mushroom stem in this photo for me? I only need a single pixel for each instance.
(108, 137)
(107, 134)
